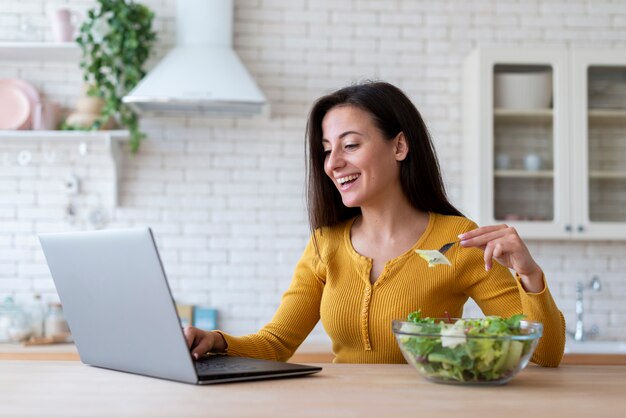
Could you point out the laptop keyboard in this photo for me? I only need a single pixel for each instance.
(217, 364)
(231, 368)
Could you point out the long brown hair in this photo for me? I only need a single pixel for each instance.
(392, 112)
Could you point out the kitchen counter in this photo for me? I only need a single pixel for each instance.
(69, 388)
(309, 352)
(15, 351)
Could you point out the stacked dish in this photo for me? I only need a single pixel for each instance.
(18, 101)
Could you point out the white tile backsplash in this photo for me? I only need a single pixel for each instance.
(225, 197)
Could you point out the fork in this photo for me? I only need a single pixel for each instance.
(446, 247)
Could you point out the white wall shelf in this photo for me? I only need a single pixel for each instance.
(39, 51)
(62, 52)
(112, 140)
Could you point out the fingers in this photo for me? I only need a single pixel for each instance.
(205, 344)
(494, 250)
(479, 237)
(190, 335)
(198, 341)
(481, 230)
(503, 244)
(499, 242)
(488, 257)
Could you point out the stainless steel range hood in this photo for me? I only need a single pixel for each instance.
(202, 74)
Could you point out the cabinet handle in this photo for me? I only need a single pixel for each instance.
(568, 228)
(581, 228)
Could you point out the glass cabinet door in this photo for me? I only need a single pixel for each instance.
(523, 143)
(606, 145)
(600, 78)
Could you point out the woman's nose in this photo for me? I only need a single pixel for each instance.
(334, 160)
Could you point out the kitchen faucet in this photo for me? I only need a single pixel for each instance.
(580, 334)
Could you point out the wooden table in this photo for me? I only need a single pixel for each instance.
(14, 351)
(72, 389)
(307, 353)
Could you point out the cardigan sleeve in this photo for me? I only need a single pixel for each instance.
(541, 307)
(497, 292)
(298, 313)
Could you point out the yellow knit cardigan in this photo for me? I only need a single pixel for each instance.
(333, 284)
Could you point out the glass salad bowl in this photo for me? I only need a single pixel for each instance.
(490, 350)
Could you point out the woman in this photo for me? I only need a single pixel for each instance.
(375, 195)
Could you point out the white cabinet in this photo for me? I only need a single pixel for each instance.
(545, 141)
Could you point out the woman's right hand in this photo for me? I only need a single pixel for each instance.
(201, 342)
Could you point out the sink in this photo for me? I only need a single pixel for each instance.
(596, 347)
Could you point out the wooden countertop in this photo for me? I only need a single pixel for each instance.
(307, 353)
(69, 388)
(316, 352)
(38, 352)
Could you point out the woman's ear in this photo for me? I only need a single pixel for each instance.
(402, 147)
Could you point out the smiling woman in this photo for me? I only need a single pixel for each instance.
(372, 111)
(375, 196)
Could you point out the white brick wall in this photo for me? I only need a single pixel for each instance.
(225, 197)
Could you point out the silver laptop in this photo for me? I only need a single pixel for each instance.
(120, 310)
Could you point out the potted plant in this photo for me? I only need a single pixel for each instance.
(116, 40)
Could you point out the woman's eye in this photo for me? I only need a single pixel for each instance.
(351, 146)
(326, 152)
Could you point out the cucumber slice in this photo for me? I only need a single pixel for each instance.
(502, 359)
(515, 352)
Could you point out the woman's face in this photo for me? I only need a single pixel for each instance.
(363, 165)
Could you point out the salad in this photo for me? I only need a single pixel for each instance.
(433, 257)
(489, 349)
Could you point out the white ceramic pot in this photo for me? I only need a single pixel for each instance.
(503, 161)
(532, 162)
(523, 90)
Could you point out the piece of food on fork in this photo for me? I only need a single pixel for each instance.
(434, 257)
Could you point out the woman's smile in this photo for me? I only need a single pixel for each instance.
(346, 182)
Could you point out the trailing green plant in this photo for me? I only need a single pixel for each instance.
(116, 40)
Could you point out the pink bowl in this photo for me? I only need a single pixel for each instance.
(15, 107)
(32, 95)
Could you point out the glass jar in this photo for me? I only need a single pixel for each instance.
(55, 325)
(37, 311)
(5, 319)
(21, 325)
(15, 323)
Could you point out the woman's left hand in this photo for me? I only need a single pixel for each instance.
(502, 243)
